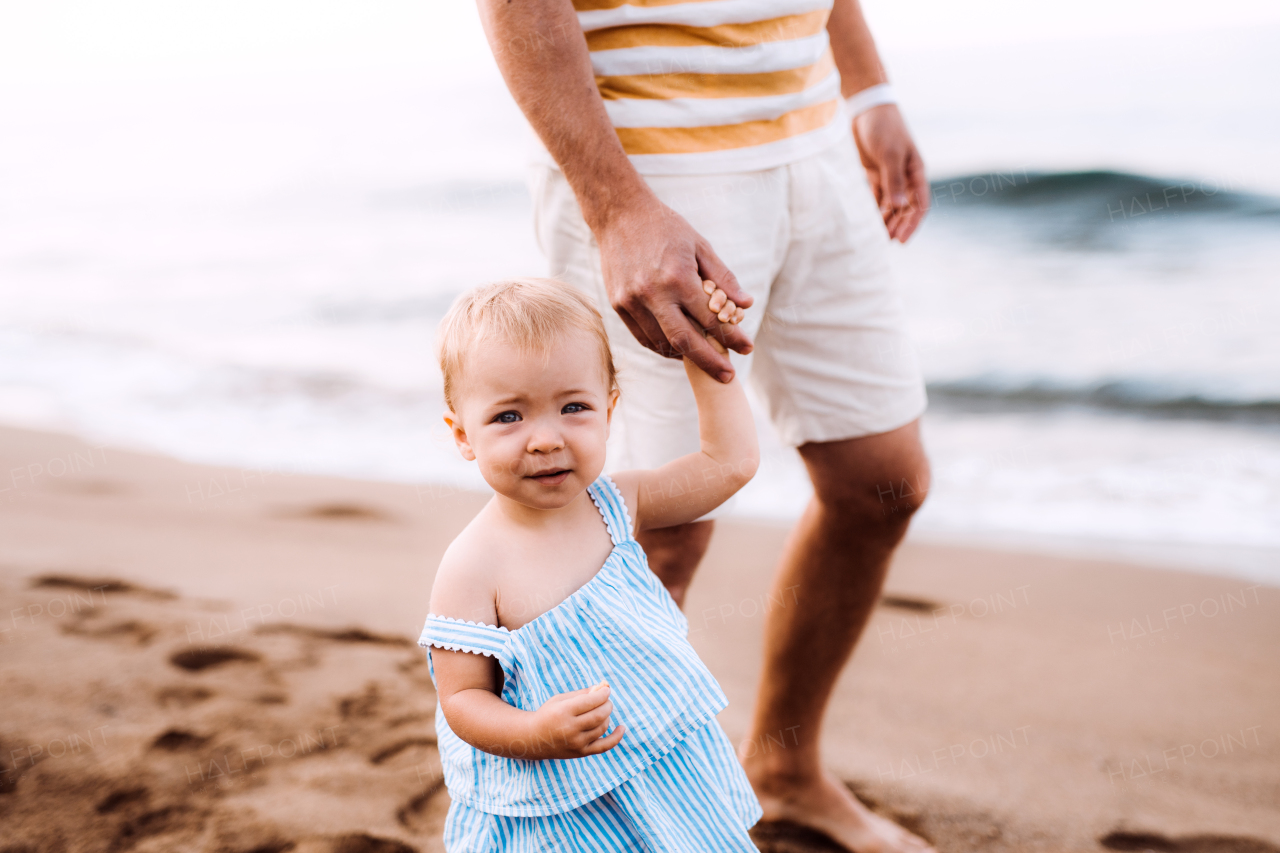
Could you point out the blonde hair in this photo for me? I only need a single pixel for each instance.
(530, 312)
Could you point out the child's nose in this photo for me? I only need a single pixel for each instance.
(545, 438)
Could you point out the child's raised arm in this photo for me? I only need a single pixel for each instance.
(687, 488)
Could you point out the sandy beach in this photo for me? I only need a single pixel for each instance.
(215, 659)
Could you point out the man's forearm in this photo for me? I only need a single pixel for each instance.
(854, 49)
(543, 57)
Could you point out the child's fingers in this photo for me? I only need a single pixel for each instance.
(605, 744)
(594, 718)
(570, 696)
(708, 287)
(740, 314)
(728, 312)
(596, 732)
(717, 301)
(588, 700)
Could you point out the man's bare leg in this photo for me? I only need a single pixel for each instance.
(674, 554)
(835, 560)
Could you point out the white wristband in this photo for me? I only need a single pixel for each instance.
(862, 101)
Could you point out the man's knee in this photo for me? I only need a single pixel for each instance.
(884, 507)
(871, 492)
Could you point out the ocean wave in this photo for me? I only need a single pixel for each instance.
(1104, 194)
(1143, 397)
(1104, 210)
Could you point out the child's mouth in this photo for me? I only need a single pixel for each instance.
(551, 478)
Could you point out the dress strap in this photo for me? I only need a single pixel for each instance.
(458, 635)
(609, 501)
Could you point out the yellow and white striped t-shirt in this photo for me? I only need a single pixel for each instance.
(713, 86)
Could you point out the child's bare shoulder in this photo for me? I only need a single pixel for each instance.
(628, 483)
(466, 582)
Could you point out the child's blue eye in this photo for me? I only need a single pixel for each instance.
(574, 408)
(507, 418)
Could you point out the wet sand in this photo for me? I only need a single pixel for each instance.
(213, 659)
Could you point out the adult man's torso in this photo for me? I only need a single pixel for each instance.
(715, 86)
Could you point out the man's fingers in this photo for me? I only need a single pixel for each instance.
(647, 331)
(919, 181)
(689, 341)
(894, 179)
(910, 221)
(711, 267)
(920, 197)
(637, 331)
(896, 207)
(873, 181)
(606, 743)
(893, 221)
(703, 313)
(732, 337)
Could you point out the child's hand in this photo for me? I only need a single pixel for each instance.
(722, 305)
(571, 725)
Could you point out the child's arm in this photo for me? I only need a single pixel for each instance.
(693, 485)
(569, 725)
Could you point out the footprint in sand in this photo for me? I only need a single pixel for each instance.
(352, 844)
(140, 632)
(392, 750)
(345, 635)
(906, 602)
(102, 586)
(182, 696)
(159, 821)
(178, 740)
(363, 705)
(197, 660)
(338, 512)
(414, 815)
(152, 785)
(122, 798)
(1151, 841)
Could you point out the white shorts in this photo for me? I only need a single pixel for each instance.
(832, 357)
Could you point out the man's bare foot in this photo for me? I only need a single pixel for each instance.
(826, 805)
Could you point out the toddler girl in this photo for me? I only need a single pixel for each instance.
(573, 713)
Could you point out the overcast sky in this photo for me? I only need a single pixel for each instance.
(52, 40)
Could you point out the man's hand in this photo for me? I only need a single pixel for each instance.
(894, 169)
(572, 725)
(654, 264)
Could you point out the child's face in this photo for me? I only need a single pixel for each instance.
(535, 423)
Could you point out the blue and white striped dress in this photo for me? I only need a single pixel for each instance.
(671, 784)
